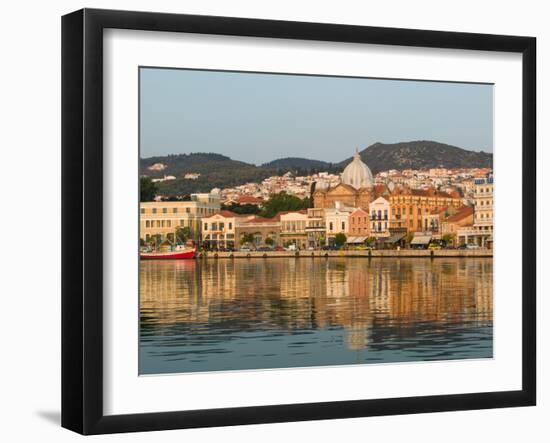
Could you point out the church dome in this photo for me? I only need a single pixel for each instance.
(357, 174)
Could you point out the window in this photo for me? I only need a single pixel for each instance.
(230, 225)
(214, 226)
(222, 225)
(343, 226)
(147, 224)
(206, 226)
(169, 223)
(330, 226)
(158, 223)
(175, 210)
(188, 210)
(142, 210)
(154, 210)
(182, 222)
(164, 210)
(162, 223)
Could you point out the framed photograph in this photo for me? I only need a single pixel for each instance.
(268, 221)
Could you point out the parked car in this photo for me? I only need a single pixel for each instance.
(278, 248)
(264, 248)
(472, 246)
(330, 248)
(434, 246)
(245, 249)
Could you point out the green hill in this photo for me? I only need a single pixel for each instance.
(420, 155)
(216, 171)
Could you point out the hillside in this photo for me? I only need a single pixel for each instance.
(297, 163)
(216, 171)
(419, 155)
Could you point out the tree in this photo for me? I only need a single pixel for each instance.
(448, 239)
(242, 209)
(283, 202)
(269, 241)
(147, 189)
(247, 238)
(340, 239)
(369, 241)
(155, 240)
(182, 234)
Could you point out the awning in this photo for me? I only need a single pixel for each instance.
(356, 240)
(421, 239)
(394, 238)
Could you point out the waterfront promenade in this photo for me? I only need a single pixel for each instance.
(403, 253)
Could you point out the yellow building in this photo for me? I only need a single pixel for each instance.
(164, 217)
(218, 230)
(293, 228)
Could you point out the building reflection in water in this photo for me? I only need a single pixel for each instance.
(373, 302)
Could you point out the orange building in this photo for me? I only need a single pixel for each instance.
(463, 217)
(358, 225)
(409, 207)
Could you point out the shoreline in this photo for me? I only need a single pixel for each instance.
(404, 253)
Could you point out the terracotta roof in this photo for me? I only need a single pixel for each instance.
(462, 213)
(358, 212)
(438, 210)
(249, 199)
(431, 192)
(380, 189)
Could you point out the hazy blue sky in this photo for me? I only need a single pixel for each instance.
(261, 117)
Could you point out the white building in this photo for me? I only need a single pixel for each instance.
(379, 211)
(337, 221)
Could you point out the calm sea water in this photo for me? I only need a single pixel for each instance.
(285, 312)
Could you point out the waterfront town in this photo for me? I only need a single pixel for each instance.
(422, 209)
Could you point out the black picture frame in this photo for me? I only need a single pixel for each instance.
(82, 231)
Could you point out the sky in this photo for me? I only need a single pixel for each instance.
(257, 117)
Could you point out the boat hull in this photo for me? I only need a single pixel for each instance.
(170, 255)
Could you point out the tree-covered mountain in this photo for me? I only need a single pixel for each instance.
(216, 171)
(420, 155)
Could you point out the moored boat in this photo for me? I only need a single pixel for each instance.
(176, 254)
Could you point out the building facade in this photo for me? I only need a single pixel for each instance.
(316, 227)
(359, 224)
(380, 212)
(293, 228)
(451, 225)
(218, 230)
(410, 206)
(163, 218)
(483, 210)
(260, 229)
(336, 222)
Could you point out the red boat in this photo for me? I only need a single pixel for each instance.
(176, 254)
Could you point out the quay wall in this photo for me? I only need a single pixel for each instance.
(403, 253)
